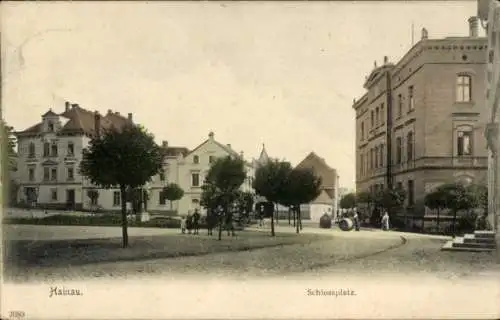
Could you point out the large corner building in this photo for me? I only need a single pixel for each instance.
(421, 121)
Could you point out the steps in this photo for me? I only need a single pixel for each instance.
(479, 241)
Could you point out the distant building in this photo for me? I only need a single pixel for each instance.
(327, 201)
(49, 154)
(421, 121)
(188, 169)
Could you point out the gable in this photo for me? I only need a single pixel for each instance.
(208, 148)
(323, 198)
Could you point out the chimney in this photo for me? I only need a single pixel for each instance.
(211, 135)
(67, 106)
(110, 111)
(164, 144)
(386, 59)
(117, 113)
(228, 145)
(97, 122)
(425, 34)
(130, 117)
(375, 64)
(473, 27)
(75, 105)
(242, 154)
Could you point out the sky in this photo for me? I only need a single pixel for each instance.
(283, 74)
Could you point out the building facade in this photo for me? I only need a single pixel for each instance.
(327, 201)
(49, 154)
(420, 123)
(188, 169)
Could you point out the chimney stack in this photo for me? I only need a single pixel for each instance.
(375, 64)
(97, 123)
(425, 34)
(386, 59)
(110, 111)
(211, 135)
(228, 145)
(75, 105)
(164, 144)
(473, 27)
(242, 154)
(130, 117)
(67, 106)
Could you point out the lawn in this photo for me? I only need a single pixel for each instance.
(64, 253)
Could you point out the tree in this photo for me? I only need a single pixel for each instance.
(221, 187)
(301, 187)
(479, 194)
(456, 197)
(245, 205)
(126, 158)
(390, 200)
(93, 195)
(435, 200)
(348, 201)
(270, 182)
(173, 192)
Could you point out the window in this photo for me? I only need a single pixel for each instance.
(372, 119)
(377, 116)
(411, 193)
(464, 87)
(31, 150)
(71, 148)
(376, 157)
(381, 161)
(53, 149)
(93, 200)
(162, 198)
(116, 198)
(411, 102)
(53, 193)
(195, 179)
(371, 158)
(162, 176)
(210, 159)
(362, 164)
(400, 185)
(400, 106)
(46, 174)
(409, 146)
(51, 126)
(46, 149)
(398, 150)
(362, 130)
(196, 159)
(53, 174)
(464, 143)
(382, 114)
(71, 174)
(31, 174)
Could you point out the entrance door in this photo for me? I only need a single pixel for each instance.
(70, 198)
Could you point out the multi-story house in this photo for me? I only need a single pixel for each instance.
(188, 169)
(327, 201)
(49, 154)
(421, 121)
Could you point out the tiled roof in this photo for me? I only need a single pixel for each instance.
(321, 168)
(80, 120)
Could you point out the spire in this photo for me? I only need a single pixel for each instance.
(263, 158)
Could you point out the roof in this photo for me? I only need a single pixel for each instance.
(49, 113)
(223, 146)
(79, 120)
(175, 151)
(321, 168)
(263, 158)
(323, 197)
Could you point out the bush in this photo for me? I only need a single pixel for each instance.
(325, 221)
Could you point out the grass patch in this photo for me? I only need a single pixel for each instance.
(22, 254)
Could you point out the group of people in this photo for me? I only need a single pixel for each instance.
(191, 222)
(384, 221)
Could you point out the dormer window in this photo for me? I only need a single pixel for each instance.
(50, 126)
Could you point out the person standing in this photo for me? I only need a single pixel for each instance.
(385, 221)
(196, 221)
(356, 221)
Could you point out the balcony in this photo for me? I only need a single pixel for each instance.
(445, 162)
(70, 158)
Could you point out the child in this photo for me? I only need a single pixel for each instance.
(183, 224)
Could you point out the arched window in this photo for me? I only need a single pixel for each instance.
(464, 88)
(409, 146)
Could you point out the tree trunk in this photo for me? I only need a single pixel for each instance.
(454, 222)
(294, 216)
(272, 225)
(437, 222)
(221, 221)
(289, 216)
(123, 190)
(298, 220)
